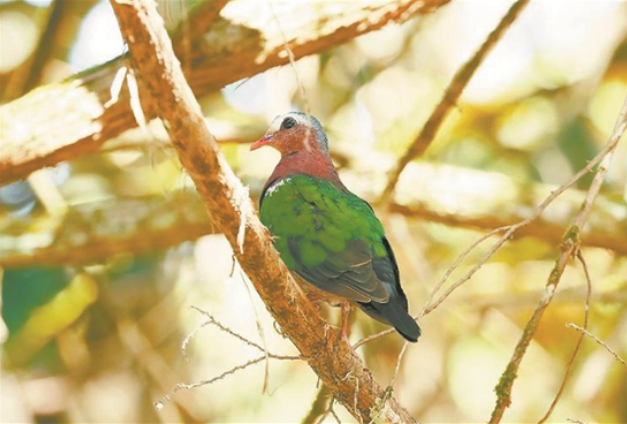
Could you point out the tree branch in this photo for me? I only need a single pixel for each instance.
(36, 135)
(162, 80)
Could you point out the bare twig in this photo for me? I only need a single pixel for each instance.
(454, 90)
(598, 341)
(320, 407)
(190, 336)
(569, 248)
(299, 82)
(334, 414)
(159, 405)
(262, 334)
(212, 321)
(573, 420)
(292, 62)
(399, 360)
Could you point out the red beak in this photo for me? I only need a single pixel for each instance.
(263, 141)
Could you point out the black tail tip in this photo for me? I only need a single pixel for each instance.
(411, 333)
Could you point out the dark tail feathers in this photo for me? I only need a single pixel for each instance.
(395, 315)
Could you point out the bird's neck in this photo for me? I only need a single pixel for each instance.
(312, 163)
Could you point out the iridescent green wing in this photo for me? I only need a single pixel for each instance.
(328, 236)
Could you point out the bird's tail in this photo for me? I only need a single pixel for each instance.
(394, 315)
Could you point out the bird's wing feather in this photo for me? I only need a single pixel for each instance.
(348, 274)
(328, 236)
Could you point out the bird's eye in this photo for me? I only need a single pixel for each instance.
(288, 123)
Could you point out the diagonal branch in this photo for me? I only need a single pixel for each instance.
(163, 83)
(454, 90)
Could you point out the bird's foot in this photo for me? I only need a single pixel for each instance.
(344, 328)
(342, 335)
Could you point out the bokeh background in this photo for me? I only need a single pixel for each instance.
(102, 342)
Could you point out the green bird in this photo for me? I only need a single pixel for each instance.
(328, 236)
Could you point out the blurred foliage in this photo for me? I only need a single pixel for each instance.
(101, 341)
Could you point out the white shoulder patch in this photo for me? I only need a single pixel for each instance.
(273, 188)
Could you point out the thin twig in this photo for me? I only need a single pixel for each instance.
(227, 330)
(183, 386)
(260, 331)
(571, 361)
(399, 360)
(320, 407)
(238, 336)
(211, 320)
(573, 420)
(299, 82)
(598, 341)
(454, 90)
(190, 336)
(570, 248)
(333, 413)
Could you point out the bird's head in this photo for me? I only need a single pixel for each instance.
(292, 133)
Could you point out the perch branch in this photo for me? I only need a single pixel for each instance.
(454, 90)
(163, 84)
